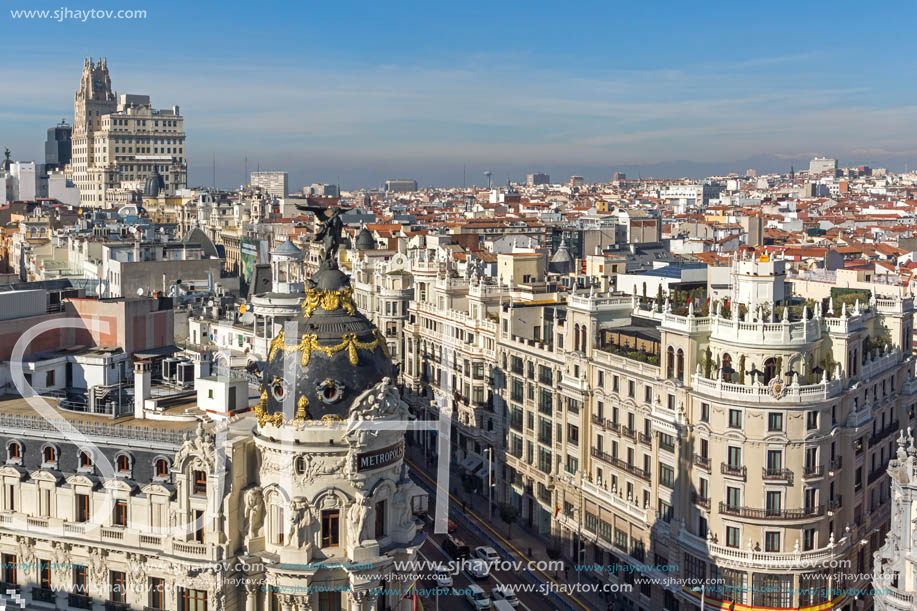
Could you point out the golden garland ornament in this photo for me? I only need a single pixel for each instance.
(309, 343)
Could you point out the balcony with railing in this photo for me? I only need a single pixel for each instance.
(620, 464)
(701, 501)
(770, 474)
(835, 503)
(836, 463)
(771, 513)
(734, 470)
(766, 393)
(629, 432)
(645, 439)
(892, 427)
(813, 471)
(665, 445)
(783, 561)
(702, 461)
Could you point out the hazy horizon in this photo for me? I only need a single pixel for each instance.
(354, 94)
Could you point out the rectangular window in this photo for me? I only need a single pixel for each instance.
(380, 519)
(735, 419)
(771, 541)
(9, 568)
(330, 528)
(733, 537)
(82, 507)
(192, 600)
(118, 586)
(120, 514)
(329, 601)
(79, 580)
(808, 539)
(199, 526)
(200, 482)
(772, 504)
(157, 593)
(665, 511)
(774, 461)
(775, 421)
(666, 475)
(734, 456)
(44, 575)
(733, 497)
(812, 420)
(573, 434)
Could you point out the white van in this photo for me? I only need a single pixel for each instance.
(502, 605)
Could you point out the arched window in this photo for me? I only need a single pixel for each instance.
(583, 338)
(123, 463)
(85, 460)
(670, 362)
(162, 467)
(680, 361)
(770, 369)
(576, 338)
(50, 454)
(726, 367)
(14, 451)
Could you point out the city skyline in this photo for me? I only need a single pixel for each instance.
(387, 97)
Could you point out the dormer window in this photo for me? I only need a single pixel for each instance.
(14, 452)
(50, 455)
(123, 463)
(85, 460)
(162, 468)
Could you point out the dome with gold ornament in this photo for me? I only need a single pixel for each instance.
(325, 358)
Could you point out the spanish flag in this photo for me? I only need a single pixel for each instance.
(411, 593)
(556, 511)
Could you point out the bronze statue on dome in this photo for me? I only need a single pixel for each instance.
(330, 232)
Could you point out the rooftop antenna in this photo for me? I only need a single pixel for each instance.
(490, 181)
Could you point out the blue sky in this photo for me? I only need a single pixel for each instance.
(356, 92)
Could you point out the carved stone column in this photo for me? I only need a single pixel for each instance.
(251, 596)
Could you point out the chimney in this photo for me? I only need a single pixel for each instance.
(142, 383)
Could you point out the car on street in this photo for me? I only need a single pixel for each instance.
(486, 552)
(442, 577)
(451, 526)
(478, 568)
(456, 548)
(477, 597)
(504, 593)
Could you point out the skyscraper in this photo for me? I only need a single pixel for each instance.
(119, 140)
(58, 147)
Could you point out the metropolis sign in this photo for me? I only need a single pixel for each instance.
(380, 458)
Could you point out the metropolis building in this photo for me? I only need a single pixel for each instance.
(303, 504)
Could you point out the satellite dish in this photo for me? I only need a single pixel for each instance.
(140, 292)
(247, 318)
(210, 303)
